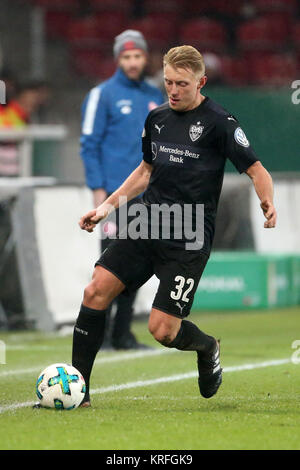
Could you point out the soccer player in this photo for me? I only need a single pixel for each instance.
(115, 112)
(185, 145)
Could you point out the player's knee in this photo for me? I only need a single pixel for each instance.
(162, 333)
(90, 292)
(93, 294)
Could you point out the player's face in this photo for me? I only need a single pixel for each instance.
(133, 63)
(183, 88)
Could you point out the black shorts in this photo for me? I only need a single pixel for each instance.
(178, 270)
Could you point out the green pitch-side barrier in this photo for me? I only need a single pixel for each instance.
(243, 280)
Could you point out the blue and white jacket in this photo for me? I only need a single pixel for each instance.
(113, 116)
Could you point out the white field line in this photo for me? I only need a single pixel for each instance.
(25, 347)
(188, 375)
(159, 380)
(103, 360)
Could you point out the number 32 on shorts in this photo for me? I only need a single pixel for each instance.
(183, 288)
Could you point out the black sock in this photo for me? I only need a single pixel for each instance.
(191, 338)
(87, 339)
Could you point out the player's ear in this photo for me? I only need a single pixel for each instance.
(202, 81)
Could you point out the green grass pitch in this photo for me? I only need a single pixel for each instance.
(152, 401)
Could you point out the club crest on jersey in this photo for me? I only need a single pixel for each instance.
(195, 131)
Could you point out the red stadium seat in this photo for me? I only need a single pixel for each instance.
(263, 33)
(56, 22)
(57, 15)
(193, 9)
(221, 7)
(279, 16)
(169, 6)
(110, 24)
(93, 63)
(298, 61)
(204, 33)
(158, 33)
(296, 35)
(235, 71)
(124, 6)
(58, 4)
(100, 27)
(225, 7)
(273, 69)
(172, 18)
(83, 30)
(266, 6)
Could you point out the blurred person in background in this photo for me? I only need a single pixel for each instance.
(10, 84)
(16, 114)
(113, 116)
(213, 68)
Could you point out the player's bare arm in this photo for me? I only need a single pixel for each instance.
(99, 196)
(135, 184)
(263, 185)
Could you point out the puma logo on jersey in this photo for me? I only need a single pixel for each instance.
(181, 307)
(230, 118)
(159, 128)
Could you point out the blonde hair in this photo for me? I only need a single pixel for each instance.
(185, 57)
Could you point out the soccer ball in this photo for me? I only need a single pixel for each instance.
(60, 386)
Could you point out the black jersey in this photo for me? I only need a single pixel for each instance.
(188, 151)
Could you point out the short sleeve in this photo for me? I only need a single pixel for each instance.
(146, 141)
(234, 144)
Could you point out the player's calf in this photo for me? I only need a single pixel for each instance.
(190, 338)
(163, 327)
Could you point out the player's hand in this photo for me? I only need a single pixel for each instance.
(89, 221)
(269, 213)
